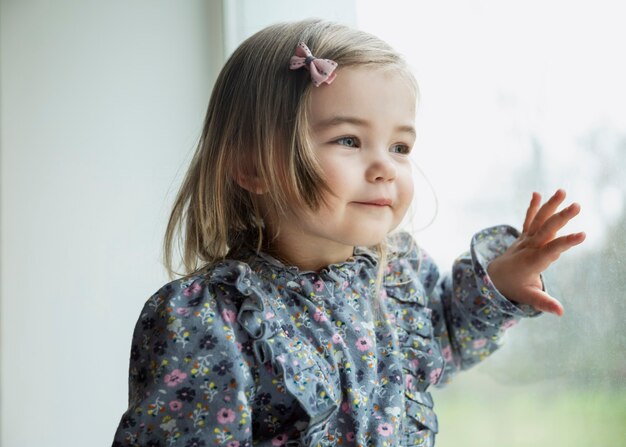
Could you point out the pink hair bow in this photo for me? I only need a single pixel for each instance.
(322, 70)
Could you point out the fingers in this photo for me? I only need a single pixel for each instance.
(540, 300)
(554, 249)
(554, 223)
(547, 210)
(535, 201)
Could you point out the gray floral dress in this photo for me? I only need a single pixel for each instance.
(253, 352)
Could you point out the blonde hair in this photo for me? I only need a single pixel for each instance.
(257, 123)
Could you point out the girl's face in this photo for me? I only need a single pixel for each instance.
(362, 126)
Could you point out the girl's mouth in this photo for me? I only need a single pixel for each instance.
(376, 202)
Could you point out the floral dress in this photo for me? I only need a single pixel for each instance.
(253, 352)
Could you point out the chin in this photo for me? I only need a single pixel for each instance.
(370, 239)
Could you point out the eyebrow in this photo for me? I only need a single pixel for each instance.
(338, 120)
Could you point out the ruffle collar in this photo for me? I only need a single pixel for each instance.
(362, 258)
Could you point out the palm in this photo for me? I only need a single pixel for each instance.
(516, 273)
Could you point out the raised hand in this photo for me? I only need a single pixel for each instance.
(516, 272)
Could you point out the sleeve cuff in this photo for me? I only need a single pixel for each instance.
(487, 245)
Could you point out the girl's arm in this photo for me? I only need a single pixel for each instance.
(496, 284)
(189, 382)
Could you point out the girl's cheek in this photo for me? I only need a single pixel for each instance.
(408, 189)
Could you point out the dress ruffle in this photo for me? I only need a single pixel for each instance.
(422, 361)
(306, 377)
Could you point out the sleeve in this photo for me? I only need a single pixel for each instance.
(469, 315)
(189, 382)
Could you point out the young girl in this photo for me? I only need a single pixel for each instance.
(301, 319)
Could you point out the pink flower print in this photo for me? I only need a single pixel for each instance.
(415, 364)
(481, 342)
(233, 444)
(183, 311)
(229, 315)
(408, 382)
(192, 289)
(225, 416)
(176, 405)
(269, 315)
(350, 436)
(363, 344)
(319, 315)
(434, 375)
(279, 440)
(174, 378)
(384, 429)
(508, 324)
(447, 353)
(345, 406)
(318, 285)
(336, 338)
(344, 286)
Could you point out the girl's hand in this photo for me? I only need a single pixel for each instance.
(516, 272)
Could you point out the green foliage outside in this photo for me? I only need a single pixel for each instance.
(488, 415)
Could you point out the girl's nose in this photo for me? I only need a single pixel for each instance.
(381, 169)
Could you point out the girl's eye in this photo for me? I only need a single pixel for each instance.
(400, 149)
(348, 141)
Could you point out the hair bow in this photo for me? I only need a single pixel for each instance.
(322, 70)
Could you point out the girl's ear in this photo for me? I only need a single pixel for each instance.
(251, 182)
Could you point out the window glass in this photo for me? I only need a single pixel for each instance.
(519, 97)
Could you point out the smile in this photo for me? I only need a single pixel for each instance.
(376, 202)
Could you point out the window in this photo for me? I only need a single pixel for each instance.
(516, 97)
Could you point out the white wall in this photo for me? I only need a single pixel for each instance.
(245, 17)
(101, 105)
